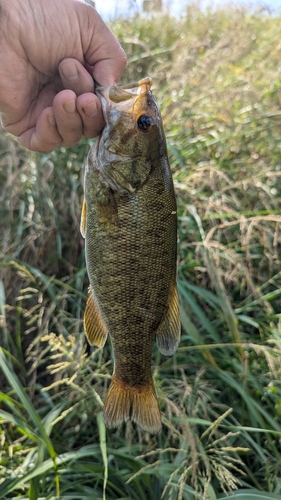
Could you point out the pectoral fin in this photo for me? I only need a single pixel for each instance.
(95, 328)
(168, 333)
(83, 219)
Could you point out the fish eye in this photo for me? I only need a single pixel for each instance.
(144, 122)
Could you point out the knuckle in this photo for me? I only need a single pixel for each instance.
(71, 141)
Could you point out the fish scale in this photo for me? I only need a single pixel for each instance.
(129, 224)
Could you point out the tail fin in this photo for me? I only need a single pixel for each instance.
(124, 402)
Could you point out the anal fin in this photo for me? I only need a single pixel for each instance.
(95, 329)
(168, 332)
(124, 402)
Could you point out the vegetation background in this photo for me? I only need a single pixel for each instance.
(217, 78)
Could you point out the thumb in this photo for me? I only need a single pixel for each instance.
(75, 77)
(101, 48)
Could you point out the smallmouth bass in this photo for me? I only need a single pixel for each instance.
(130, 229)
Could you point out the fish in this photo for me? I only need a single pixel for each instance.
(129, 222)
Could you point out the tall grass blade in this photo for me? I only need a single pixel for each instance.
(102, 436)
(33, 415)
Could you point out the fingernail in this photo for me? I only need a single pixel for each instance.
(51, 120)
(90, 109)
(70, 106)
(69, 71)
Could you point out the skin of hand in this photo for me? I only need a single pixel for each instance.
(51, 53)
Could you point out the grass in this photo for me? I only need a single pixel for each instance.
(217, 79)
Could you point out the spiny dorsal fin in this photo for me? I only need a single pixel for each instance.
(168, 332)
(95, 328)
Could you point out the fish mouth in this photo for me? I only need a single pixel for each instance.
(125, 92)
(124, 98)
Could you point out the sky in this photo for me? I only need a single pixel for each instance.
(110, 9)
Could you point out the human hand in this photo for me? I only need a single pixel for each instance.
(46, 47)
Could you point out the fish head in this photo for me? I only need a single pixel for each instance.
(133, 135)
